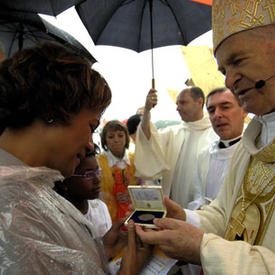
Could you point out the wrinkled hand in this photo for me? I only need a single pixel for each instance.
(115, 239)
(151, 100)
(135, 255)
(174, 210)
(177, 239)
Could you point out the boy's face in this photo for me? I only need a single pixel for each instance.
(85, 183)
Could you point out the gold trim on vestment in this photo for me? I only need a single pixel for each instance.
(232, 16)
(255, 202)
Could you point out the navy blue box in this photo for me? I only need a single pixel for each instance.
(148, 204)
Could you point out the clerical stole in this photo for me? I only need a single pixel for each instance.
(255, 202)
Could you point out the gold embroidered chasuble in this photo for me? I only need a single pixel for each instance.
(255, 202)
(248, 185)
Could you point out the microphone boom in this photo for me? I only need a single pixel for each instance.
(260, 83)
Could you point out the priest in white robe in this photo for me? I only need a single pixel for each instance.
(227, 118)
(173, 152)
(235, 234)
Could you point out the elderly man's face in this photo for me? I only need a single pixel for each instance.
(245, 58)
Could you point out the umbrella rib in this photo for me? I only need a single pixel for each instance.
(140, 27)
(13, 39)
(51, 4)
(122, 3)
(127, 2)
(176, 19)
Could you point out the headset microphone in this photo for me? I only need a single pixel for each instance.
(260, 83)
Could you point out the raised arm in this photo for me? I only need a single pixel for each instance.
(151, 101)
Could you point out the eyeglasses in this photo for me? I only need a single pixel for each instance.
(89, 174)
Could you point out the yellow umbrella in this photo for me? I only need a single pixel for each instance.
(173, 94)
(203, 68)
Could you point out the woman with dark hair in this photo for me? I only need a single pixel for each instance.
(118, 169)
(50, 104)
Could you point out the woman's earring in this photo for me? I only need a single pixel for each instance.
(50, 121)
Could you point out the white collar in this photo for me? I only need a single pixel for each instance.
(113, 160)
(268, 128)
(198, 125)
(222, 153)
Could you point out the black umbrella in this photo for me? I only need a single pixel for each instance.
(69, 40)
(50, 7)
(19, 30)
(132, 24)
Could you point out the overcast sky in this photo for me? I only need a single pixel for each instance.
(129, 73)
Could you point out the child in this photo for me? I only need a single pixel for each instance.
(118, 169)
(82, 189)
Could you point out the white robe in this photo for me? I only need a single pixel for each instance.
(219, 256)
(172, 153)
(212, 167)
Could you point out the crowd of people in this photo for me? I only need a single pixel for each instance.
(64, 199)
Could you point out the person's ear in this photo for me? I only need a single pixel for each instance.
(245, 114)
(200, 102)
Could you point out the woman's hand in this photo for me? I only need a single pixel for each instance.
(136, 254)
(115, 239)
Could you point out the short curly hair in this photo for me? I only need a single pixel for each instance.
(114, 125)
(48, 82)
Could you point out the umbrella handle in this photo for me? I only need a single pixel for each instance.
(153, 87)
(152, 41)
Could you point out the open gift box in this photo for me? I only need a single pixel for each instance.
(148, 204)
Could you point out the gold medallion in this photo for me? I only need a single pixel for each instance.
(146, 217)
